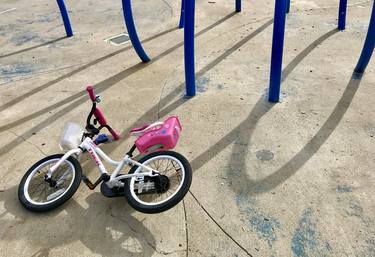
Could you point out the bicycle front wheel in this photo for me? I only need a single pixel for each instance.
(162, 192)
(38, 194)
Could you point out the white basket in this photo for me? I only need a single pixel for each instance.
(72, 136)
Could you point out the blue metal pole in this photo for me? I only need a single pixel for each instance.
(342, 14)
(65, 17)
(238, 5)
(287, 6)
(129, 22)
(189, 47)
(277, 50)
(182, 16)
(369, 46)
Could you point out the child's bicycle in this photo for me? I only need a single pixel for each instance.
(157, 181)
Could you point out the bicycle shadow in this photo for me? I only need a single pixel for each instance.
(105, 228)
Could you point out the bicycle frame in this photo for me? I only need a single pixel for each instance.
(95, 153)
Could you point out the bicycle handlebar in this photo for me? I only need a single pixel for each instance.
(90, 90)
(115, 135)
(99, 114)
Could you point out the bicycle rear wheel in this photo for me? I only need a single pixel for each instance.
(159, 193)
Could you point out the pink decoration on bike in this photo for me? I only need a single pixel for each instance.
(90, 90)
(100, 117)
(166, 135)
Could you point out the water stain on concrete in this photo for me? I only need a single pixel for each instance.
(305, 240)
(49, 17)
(220, 87)
(265, 227)
(23, 37)
(202, 83)
(354, 209)
(24, 22)
(9, 72)
(263, 224)
(264, 155)
(40, 18)
(370, 248)
(6, 29)
(344, 189)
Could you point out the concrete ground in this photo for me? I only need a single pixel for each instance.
(289, 179)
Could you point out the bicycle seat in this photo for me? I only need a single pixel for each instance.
(164, 134)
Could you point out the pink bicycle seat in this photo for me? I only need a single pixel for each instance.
(165, 134)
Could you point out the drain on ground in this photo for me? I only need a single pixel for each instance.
(118, 39)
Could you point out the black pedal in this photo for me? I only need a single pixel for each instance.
(111, 192)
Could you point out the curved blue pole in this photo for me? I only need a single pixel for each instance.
(65, 17)
(189, 47)
(182, 15)
(369, 46)
(238, 5)
(129, 22)
(342, 14)
(277, 50)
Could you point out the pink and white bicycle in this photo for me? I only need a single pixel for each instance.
(158, 179)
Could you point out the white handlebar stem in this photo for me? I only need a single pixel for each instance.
(63, 159)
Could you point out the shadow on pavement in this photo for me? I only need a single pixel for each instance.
(32, 47)
(179, 89)
(105, 227)
(241, 135)
(245, 185)
(100, 87)
(71, 73)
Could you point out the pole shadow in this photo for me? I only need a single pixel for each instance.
(242, 183)
(251, 187)
(236, 136)
(82, 68)
(153, 112)
(106, 228)
(297, 60)
(100, 87)
(241, 135)
(144, 118)
(33, 47)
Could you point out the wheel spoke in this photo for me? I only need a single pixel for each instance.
(36, 187)
(170, 168)
(166, 168)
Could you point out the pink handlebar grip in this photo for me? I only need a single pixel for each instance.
(100, 117)
(114, 134)
(103, 122)
(90, 90)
